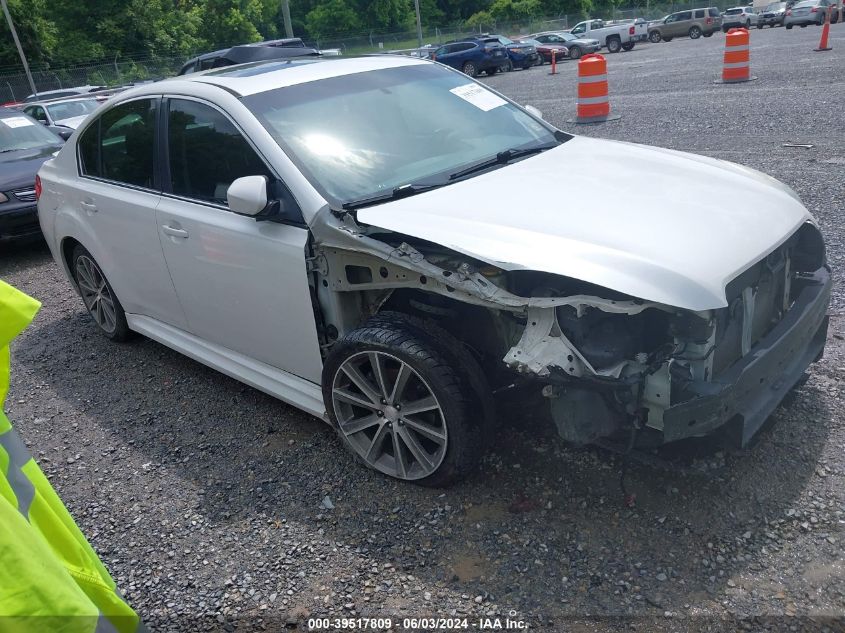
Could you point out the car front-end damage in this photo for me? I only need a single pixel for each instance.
(610, 365)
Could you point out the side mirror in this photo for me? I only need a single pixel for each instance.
(535, 111)
(248, 195)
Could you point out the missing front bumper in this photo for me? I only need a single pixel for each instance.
(747, 393)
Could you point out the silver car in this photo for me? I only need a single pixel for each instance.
(62, 116)
(348, 235)
(810, 12)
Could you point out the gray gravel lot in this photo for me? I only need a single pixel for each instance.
(203, 496)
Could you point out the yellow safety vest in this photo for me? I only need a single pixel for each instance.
(50, 578)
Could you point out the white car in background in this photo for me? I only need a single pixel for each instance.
(738, 17)
(62, 116)
(614, 36)
(376, 241)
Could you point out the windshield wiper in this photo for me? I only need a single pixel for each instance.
(395, 194)
(502, 158)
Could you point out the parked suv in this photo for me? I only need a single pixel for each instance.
(810, 12)
(738, 17)
(693, 23)
(773, 15)
(473, 56)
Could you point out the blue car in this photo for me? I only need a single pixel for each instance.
(519, 55)
(473, 56)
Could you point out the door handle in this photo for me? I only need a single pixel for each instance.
(89, 207)
(174, 232)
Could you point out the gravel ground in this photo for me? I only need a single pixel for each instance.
(205, 498)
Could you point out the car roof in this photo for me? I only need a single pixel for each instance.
(45, 102)
(255, 77)
(5, 112)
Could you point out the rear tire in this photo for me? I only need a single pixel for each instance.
(694, 32)
(97, 295)
(627, 46)
(788, 27)
(470, 69)
(614, 44)
(442, 442)
(654, 37)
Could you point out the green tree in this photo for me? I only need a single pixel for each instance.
(332, 18)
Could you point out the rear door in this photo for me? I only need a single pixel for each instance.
(115, 197)
(243, 284)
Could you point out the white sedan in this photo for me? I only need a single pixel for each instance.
(371, 240)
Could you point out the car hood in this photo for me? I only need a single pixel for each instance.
(73, 122)
(653, 223)
(18, 168)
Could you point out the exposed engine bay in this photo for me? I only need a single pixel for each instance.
(610, 365)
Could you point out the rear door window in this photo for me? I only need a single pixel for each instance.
(120, 145)
(699, 14)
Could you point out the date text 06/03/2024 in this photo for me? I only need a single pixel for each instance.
(510, 623)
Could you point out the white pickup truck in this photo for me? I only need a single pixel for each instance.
(614, 36)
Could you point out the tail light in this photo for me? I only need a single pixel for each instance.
(708, 21)
(789, 12)
(37, 187)
(631, 31)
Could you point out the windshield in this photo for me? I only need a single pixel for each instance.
(70, 109)
(567, 36)
(528, 40)
(364, 134)
(733, 11)
(504, 40)
(775, 6)
(21, 132)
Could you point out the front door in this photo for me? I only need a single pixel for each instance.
(242, 283)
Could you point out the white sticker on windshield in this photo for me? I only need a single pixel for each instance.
(17, 121)
(478, 96)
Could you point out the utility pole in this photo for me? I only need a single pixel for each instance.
(419, 23)
(286, 17)
(20, 49)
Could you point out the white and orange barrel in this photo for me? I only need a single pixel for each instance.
(593, 101)
(737, 64)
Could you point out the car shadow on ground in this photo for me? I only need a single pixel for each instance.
(537, 514)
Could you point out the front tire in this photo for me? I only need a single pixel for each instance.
(654, 37)
(400, 398)
(470, 69)
(97, 295)
(574, 52)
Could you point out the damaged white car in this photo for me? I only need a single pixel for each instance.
(362, 238)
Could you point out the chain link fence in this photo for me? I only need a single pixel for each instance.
(14, 85)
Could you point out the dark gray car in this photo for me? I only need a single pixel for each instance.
(24, 146)
(773, 15)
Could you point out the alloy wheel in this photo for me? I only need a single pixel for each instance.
(96, 293)
(389, 415)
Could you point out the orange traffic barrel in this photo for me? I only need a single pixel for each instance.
(593, 101)
(737, 63)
